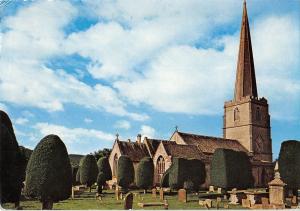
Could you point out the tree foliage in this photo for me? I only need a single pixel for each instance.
(289, 164)
(104, 167)
(11, 165)
(102, 153)
(231, 169)
(144, 173)
(125, 172)
(74, 175)
(164, 182)
(88, 170)
(101, 180)
(49, 173)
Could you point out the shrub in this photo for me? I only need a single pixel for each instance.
(104, 167)
(101, 180)
(10, 163)
(74, 176)
(125, 172)
(78, 176)
(289, 164)
(183, 170)
(144, 173)
(88, 171)
(231, 169)
(49, 173)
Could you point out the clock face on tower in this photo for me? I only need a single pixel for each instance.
(259, 144)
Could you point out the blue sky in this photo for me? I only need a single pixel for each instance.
(86, 70)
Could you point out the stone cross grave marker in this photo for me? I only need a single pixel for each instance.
(161, 194)
(182, 197)
(128, 201)
(154, 193)
(211, 188)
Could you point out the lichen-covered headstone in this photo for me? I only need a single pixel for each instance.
(182, 196)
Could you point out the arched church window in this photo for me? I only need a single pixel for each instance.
(236, 114)
(258, 114)
(115, 165)
(160, 168)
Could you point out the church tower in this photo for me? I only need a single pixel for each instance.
(246, 117)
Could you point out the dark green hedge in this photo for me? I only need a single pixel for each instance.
(74, 175)
(125, 172)
(10, 163)
(144, 173)
(289, 164)
(78, 176)
(49, 173)
(104, 167)
(101, 180)
(231, 169)
(183, 170)
(88, 170)
(164, 182)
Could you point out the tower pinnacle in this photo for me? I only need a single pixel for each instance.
(245, 84)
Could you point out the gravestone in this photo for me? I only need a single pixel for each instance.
(161, 194)
(182, 197)
(219, 190)
(226, 206)
(265, 203)
(233, 198)
(211, 188)
(294, 200)
(117, 193)
(288, 202)
(128, 201)
(154, 192)
(208, 203)
(276, 191)
(201, 202)
(246, 203)
(166, 205)
(225, 197)
(219, 200)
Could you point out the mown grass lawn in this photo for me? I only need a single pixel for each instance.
(87, 201)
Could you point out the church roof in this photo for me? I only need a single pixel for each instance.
(183, 151)
(208, 144)
(245, 84)
(153, 144)
(135, 151)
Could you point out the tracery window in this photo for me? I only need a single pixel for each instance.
(236, 114)
(160, 168)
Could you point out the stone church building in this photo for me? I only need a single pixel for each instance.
(246, 128)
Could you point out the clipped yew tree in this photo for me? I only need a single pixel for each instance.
(103, 166)
(145, 173)
(184, 170)
(78, 176)
(101, 180)
(164, 182)
(10, 163)
(74, 176)
(88, 171)
(49, 172)
(289, 164)
(231, 169)
(125, 172)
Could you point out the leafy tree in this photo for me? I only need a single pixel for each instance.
(49, 173)
(88, 171)
(74, 176)
(102, 153)
(101, 180)
(231, 169)
(10, 163)
(125, 172)
(104, 167)
(289, 164)
(144, 173)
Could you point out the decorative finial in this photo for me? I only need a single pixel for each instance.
(176, 128)
(117, 135)
(276, 170)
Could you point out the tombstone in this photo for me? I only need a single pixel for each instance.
(233, 198)
(288, 202)
(73, 195)
(182, 196)
(201, 202)
(265, 203)
(225, 197)
(226, 206)
(154, 193)
(117, 193)
(294, 200)
(211, 188)
(219, 200)
(246, 203)
(208, 202)
(166, 205)
(161, 194)
(128, 201)
(219, 190)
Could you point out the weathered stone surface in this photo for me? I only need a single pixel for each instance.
(161, 194)
(128, 201)
(182, 195)
(211, 188)
(208, 203)
(219, 190)
(276, 191)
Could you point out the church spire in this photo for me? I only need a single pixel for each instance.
(245, 84)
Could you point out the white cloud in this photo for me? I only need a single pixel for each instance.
(3, 107)
(88, 120)
(123, 124)
(147, 131)
(75, 138)
(21, 121)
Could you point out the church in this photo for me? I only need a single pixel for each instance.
(246, 127)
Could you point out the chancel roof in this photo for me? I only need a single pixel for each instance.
(135, 151)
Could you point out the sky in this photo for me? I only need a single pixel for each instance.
(86, 70)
